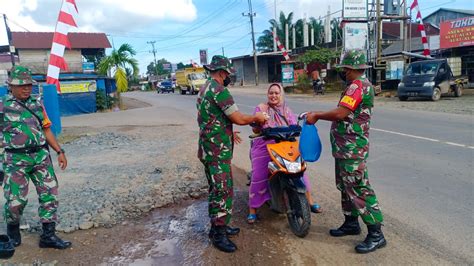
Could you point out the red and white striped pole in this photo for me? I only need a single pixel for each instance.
(421, 28)
(57, 63)
(281, 47)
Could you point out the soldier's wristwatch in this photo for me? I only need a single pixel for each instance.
(60, 151)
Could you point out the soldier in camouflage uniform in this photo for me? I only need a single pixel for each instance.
(26, 134)
(217, 112)
(350, 148)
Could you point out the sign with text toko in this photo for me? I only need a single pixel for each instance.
(457, 33)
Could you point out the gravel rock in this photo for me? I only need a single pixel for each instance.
(116, 176)
(86, 225)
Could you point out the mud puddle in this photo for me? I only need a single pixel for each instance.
(176, 235)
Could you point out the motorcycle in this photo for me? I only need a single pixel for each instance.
(286, 168)
(318, 87)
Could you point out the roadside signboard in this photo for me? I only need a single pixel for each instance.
(203, 56)
(78, 86)
(88, 67)
(355, 36)
(394, 70)
(354, 9)
(287, 74)
(457, 33)
(167, 67)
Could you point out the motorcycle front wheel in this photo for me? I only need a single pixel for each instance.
(298, 212)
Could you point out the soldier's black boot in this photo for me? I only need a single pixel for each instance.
(232, 231)
(13, 232)
(349, 227)
(220, 240)
(49, 239)
(373, 241)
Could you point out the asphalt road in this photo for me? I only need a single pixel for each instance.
(420, 163)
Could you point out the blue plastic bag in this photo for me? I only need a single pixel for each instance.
(310, 144)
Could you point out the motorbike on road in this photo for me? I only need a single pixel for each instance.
(286, 169)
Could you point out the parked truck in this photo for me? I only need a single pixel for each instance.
(430, 79)
(189, 80)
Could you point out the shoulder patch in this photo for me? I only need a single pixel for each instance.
(353, 87)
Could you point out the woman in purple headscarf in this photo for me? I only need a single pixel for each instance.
(279, 115)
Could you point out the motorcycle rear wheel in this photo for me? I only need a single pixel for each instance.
(298, 212)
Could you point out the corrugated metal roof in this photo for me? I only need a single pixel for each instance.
(396, 47)
(43, 40)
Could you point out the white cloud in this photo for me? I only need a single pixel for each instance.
(99, 15)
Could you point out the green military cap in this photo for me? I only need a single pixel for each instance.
(20, 75)
(220, 62)
(353, 59)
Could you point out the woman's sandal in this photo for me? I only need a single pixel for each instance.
(251, 218)
(315, 208)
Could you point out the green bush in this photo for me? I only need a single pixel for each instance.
(101, 100)
(304, 83)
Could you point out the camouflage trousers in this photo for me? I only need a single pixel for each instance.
(19, 169)
(221, 191)
(357, 196)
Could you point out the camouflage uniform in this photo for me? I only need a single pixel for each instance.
(350, 146)
(26, 156)
(215, 104)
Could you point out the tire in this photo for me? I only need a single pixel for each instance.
(183, 92)
(436, 94)
(458, 90)
(298, 212)
(402, 98)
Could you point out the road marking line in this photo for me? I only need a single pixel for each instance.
(406, 135)
(423, 138)
(456, 144)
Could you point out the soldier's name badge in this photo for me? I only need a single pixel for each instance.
(349, 101)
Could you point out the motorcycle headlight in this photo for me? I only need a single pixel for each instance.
(292, 167)
(279, 158)
(429, 84)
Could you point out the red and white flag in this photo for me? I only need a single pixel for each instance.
(66, 20)
(421, 28)
(281, 47)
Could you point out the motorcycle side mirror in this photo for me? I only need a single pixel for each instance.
(302, 116)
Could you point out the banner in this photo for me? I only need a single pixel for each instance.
(457, 33)
(354, 9)
(356, 36)
(78, 86)
(203, 56)
(287, 74)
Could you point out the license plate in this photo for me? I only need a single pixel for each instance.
(413, 94)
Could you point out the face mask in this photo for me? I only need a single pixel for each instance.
(226, 81)
(342, 76)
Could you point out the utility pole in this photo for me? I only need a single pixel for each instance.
(251, 15)
(10, 46)
(154, 54)
(223, 51)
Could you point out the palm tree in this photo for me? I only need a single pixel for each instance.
(120, 61)
(318, 27)
(265, 42)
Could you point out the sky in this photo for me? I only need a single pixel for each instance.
(180, 28)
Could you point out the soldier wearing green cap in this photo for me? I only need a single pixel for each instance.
(217, 112)
(350, 148)
(26, 135)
